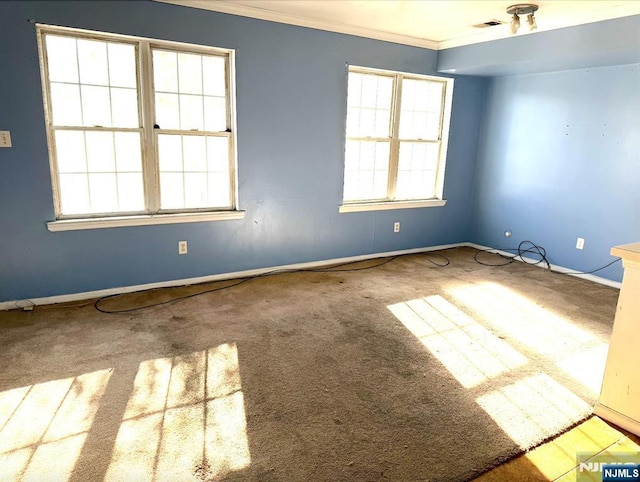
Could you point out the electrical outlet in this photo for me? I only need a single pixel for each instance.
(396, 227)
(5, 139)
(182, 247)
(580, 243)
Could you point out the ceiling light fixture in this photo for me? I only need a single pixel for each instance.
(527, 9)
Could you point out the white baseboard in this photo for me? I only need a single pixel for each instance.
(555, 267)
(87, 295)
(617, 418)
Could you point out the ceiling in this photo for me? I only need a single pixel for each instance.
(435, 24)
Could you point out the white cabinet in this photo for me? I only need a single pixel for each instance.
(620, 395)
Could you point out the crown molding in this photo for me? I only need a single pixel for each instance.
(262, 14)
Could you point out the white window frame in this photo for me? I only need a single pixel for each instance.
(149, 134)
(445, 120)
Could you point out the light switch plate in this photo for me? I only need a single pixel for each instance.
(5, 139)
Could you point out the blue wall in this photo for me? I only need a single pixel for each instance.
(291, 96)
(559, 157)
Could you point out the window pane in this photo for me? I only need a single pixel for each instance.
(65, 105)
(128, 152)
(122, 65)
(369, 105)
(381, 128)
(92, 57)
(100, 155)
(369, 93)
(165, 71)
(200, 84)
(74, 194)
(62, 59)
(367, 122)
(206, 159)
(219, 191)
(195, 153)
(218, 154)
(103, 193)
(215, 114)
(366, 170)
(171, 190)
(70, 152)
(420, 185)
(213, 72)
(170, 153)
(130, 192)
(99, 188)
(191, 112)
(85, 98)
(417, 167)
(385, 92)
(421, 109)
(432, 129)
(195, 190)
(190, 73)
(367, 160)
(167, 111)
(371, 90)
(124, 106)
(96, 108)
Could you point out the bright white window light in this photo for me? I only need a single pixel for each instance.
(395, 136)
(113, 154)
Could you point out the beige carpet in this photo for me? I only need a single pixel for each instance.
(403, 372)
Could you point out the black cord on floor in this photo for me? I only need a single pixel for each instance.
(528, 247)
(239, 281)
(525, 247)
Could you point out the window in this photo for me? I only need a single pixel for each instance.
(396, 140)
(140, 131)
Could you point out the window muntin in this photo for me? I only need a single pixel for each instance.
(394, 147)
(112, 157)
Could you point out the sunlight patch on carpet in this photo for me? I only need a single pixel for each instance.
(43, 427)
(535, 405)
(184, 419)
(468, 350)
(577, 352)
(533, 408)
(586, 367)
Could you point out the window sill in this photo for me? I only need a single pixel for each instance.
(142, 220)
(381, 206)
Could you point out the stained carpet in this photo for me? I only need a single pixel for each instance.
(404, 372)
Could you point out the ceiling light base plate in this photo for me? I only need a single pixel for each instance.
(522, 9)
